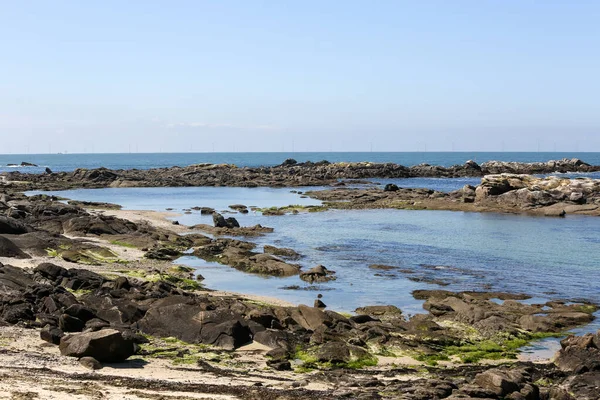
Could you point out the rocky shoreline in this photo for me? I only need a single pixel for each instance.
(99, 305)
(94, 289)
(288, 174)
(552, 196)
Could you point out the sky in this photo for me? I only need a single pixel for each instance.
(250, 75)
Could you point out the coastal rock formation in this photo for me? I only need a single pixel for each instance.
(221, 222)
(286, 174)
(317, 274)
(107, 345)
(526, 191)
(107, 318)
(552, 196)
(239, 254)
(553, 166)
(114, 311)
(281, 252)
(256, 230)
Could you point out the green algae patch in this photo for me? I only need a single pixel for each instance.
(362, 362)
(123, 244)
(587, 308)
(180, 352)
(54, 253)
(90, 256)
(307, 361)
(499, 348)
(179, 281)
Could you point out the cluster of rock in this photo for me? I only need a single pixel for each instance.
(36, 225)
(290, 173)
(100, 319)
(238, 254)
(526, 191)
(500, 193)
(106, 325)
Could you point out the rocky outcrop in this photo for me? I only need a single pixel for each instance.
(250, 231)
(511, 316)
(579, 354)
(552, 196)
(526, 191)
(12, 226)
(107, 322)
(281, 252)
(553, 166)
(318, 274)
(239, 255)
(9, 249)
(222, 222)
(107, 345)
(286, 174)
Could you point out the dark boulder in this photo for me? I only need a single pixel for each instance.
(579, 353)
(317, 274)
(179, 320)
(163, 253)
(81, 312)
(194, 324)
(68, 323)
(14, 278)
(51, 334)
(83, 279)
(500, 382)
(15, 313)
(98, 225)
(310, 318)
(107, 345)
(96, 324)
(221, 222)
(275, 339)
(228, 335)
(232, 222)
(9, 249)
(390, 187)
(334, 352)
(280, 365)
(50, 271)
(120, 311)
(12, 226)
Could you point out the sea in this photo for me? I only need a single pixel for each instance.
(69, 162)
(546, 258)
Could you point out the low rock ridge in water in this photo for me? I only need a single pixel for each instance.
(552, 196)
(290, 173)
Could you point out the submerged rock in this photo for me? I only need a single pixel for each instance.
(318, 274)
(282, 252)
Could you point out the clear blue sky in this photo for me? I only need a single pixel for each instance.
(316, 75)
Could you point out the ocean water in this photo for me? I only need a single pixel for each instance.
(69, 162)
(547, 258)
